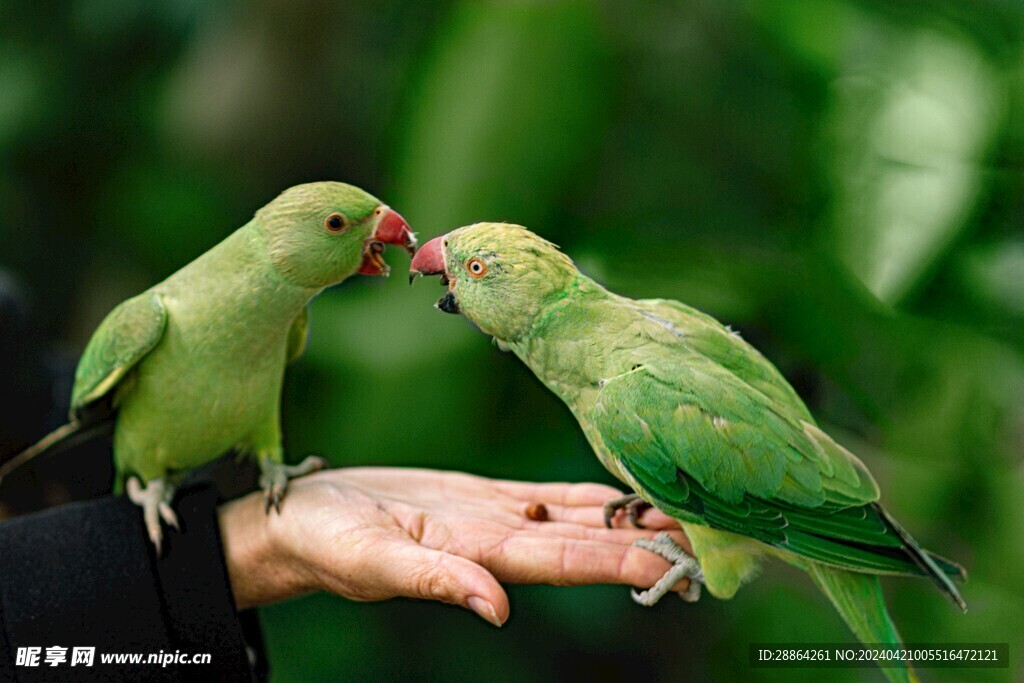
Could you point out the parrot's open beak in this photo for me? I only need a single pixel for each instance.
(429, 260)
(391, 229)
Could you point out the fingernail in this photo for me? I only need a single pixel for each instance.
(484, 609)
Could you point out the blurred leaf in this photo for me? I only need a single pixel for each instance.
(164, 215)
(22, 97)
(914, 125)
(507, 107)
(996, 273)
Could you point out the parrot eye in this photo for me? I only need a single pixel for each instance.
(335, 222)
(476, 268)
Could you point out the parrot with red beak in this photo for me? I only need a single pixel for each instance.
(696, 421)
(193, 367)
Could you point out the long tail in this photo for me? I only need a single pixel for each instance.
(858, 599)
(60, 438)
(929, 562)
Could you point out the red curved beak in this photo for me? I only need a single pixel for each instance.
(391, 229)
(429, 260)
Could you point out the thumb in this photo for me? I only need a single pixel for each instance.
(418, 572)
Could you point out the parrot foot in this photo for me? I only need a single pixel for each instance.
(634, 505)
(155, 501)
(274, 477)
(684, 564)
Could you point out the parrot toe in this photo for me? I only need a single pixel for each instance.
(274, 477)
(312, 463)
(684, 565)
(155, 500)
(632, 503)
(273, 496)
(691, 594)
(168, 515)
(634, 510)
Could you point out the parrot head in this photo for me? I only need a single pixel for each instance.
(318, 234)
(498, 275)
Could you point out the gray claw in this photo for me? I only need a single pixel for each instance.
(634, 510)
(168, 515)
(634, 505)
(684, 565)
(274, 477)
(155, 501)
(272, 496)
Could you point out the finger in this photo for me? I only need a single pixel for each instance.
(585, 533)
(413, 571)
(557, 493)
(651, 518)
(593, 516)
(567, 562)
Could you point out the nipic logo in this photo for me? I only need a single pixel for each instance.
(55, 656)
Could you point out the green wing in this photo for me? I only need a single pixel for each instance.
(125, 336)
(704, 446)
(298, 334)
(724, 346)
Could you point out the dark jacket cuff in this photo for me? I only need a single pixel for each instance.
(85, 575)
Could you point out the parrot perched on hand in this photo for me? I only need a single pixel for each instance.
(695, 420)
(193, 366)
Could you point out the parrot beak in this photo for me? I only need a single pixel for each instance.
(391, 229)
(430, 261)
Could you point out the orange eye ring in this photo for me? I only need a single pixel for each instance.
(477, 268)
(335, 223)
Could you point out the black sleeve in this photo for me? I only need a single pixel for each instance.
(85, 575)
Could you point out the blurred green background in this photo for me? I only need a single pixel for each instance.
(842, 181)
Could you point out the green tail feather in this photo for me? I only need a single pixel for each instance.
(948, 567)
(47, 443)
(60, 439)
(858, 599)
(928, 562)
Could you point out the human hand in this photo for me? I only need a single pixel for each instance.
(378, 533)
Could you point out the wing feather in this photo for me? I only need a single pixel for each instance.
(704, 446)
(125, 336)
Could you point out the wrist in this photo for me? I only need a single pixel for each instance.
(260, 567)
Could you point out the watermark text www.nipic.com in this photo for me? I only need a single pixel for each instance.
(57, 655)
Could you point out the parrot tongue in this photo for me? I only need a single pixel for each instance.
(391, 229)
(373, 261)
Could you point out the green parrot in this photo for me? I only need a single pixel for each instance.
(695, 420)
(193, 366)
